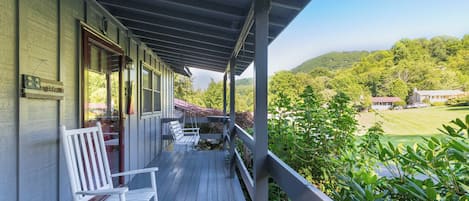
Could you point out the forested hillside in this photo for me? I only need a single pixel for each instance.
(244, 81)
(332, 60)
(438, 63)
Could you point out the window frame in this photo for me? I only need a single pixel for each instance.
(156, 89)
(153, 72)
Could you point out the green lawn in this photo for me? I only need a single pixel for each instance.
(409, 125)
(422, 121)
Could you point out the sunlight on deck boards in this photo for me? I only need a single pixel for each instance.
(192, 176)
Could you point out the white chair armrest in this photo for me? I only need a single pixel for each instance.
(120, 190)
(132, 172)
(111, 133)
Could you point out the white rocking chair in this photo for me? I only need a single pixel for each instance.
(89, 172)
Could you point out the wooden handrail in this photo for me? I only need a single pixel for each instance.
(245, 176)
(247, 139)
(292, 183)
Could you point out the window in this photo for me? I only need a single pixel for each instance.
(157, 92)
(146, 90)
(151, 90)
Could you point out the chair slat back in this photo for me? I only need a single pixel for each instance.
(176, 130)
(86, 158)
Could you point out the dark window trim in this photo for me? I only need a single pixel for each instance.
(152, 72)
(89, 35)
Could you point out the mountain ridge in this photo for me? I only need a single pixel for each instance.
(333, 60)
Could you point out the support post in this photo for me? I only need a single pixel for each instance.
(224, 93)
(232, 130)
(261, 17)
(224, 112)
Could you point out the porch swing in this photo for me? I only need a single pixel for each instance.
(192, 118)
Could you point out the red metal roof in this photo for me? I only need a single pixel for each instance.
(195, 109)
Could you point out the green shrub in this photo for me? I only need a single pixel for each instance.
(316, 139)
(435, 170)
(400, 103)
(438, 104)
(312, 135)
(462, 101)
(426, 101)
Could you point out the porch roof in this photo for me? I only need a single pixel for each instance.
(202, 34)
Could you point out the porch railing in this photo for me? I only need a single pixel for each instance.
(293, 184)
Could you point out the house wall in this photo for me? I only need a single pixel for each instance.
(8, 100)
(381, 106)
(43, 38)
(434, 99)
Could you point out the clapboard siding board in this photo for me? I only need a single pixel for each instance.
(134, 118)
(70, 12)
(147, 144)
(8, 101)
(192, 176)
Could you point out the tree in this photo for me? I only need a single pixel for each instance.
(288, 84)
(213, 96)
(399, 89)
(183, 87)
(347, 84)
(400, 52)
(460, 61)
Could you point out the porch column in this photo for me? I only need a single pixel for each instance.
(224, 94)
(224, 111)
(261, 17)
(232, 116)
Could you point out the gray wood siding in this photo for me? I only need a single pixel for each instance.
(48, 45)
(38, 136)
(71, 11)
(8, 101)
(132, 148)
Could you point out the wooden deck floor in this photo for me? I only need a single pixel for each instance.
(192, 176)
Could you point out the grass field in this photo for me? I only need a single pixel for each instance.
(409, 125)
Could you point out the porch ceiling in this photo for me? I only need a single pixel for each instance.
(201, 34)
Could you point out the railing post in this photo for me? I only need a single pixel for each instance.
(261, 17)
(232, 129)
(224, 112)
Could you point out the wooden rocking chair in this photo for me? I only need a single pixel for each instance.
(89, 172)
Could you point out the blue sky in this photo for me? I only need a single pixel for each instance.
(344, 25)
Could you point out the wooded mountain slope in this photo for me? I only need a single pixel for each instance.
(441, 62)
(332, 60)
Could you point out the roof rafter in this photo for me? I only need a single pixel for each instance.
(210, 7)
(150, 40)
(150, 33)
(158, 12)
(221, 62)
(289, 4)
(175, 58)
(185, 49)
(183, 52)
(180, 27)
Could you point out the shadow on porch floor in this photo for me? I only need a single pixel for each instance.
(192, 176)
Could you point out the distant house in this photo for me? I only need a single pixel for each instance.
(433, 96)
(384, 103)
